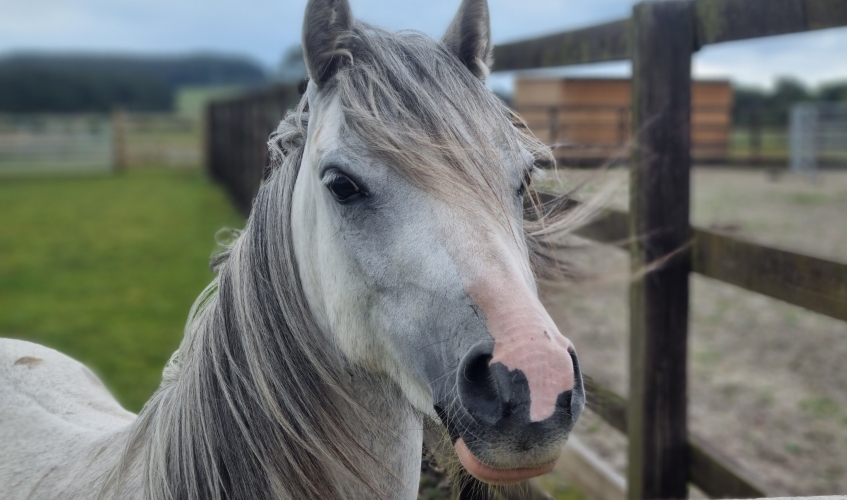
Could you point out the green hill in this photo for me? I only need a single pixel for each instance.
(49, 83)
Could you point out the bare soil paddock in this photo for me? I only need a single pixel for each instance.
(767, 380)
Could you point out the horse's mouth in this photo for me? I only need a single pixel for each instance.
(499, 477)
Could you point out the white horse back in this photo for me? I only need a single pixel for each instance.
(56, 421)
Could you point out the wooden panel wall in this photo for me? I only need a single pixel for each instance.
(592, 114)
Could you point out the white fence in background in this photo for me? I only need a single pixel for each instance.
(55, 143)
(817, 136)
(89, 143)
(157, 139)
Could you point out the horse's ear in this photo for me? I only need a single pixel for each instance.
(327, 28)
(469, 37)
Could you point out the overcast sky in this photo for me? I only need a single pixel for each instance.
(263, 29)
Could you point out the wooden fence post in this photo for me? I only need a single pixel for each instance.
(663, 39)
(209, 124)
(119, 146)
(755, 136)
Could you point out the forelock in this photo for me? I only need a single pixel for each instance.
(422, 112)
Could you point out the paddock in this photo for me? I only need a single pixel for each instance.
(766, 378)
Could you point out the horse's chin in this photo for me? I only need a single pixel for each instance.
(498, 477)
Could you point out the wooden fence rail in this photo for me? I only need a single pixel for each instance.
(716, 21)
(607, 42)
(660, 38)
(812, 283)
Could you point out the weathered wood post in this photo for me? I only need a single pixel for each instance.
(755, 135)
(663, 39)
(208, 145)
(119, 153)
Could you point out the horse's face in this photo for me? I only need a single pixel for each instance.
(434, 291)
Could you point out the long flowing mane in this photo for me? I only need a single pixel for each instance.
(256, 402)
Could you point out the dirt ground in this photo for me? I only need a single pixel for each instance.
(767, 380)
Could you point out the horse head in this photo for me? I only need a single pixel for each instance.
(409, 235)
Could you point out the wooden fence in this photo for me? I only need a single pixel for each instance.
(46, 144)
(660, 39)
(237, 133)
(140, 139)
(39, 144)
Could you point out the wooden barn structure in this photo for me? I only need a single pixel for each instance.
(590, 118)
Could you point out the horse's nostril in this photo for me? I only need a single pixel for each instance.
(477, 388)
(565, 400)
(509, 408)
(495, 396)
(476, 370)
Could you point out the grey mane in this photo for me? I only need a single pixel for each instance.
(256, 402)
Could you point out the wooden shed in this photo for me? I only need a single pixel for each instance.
(589, 118)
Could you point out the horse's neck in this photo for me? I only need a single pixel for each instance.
(399, 449)
(395, 443)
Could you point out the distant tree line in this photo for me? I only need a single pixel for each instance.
(771, 108)
(80, 83)
(292, 67)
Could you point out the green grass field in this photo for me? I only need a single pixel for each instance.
(105, 268)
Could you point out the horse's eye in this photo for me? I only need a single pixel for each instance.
(342, 187)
